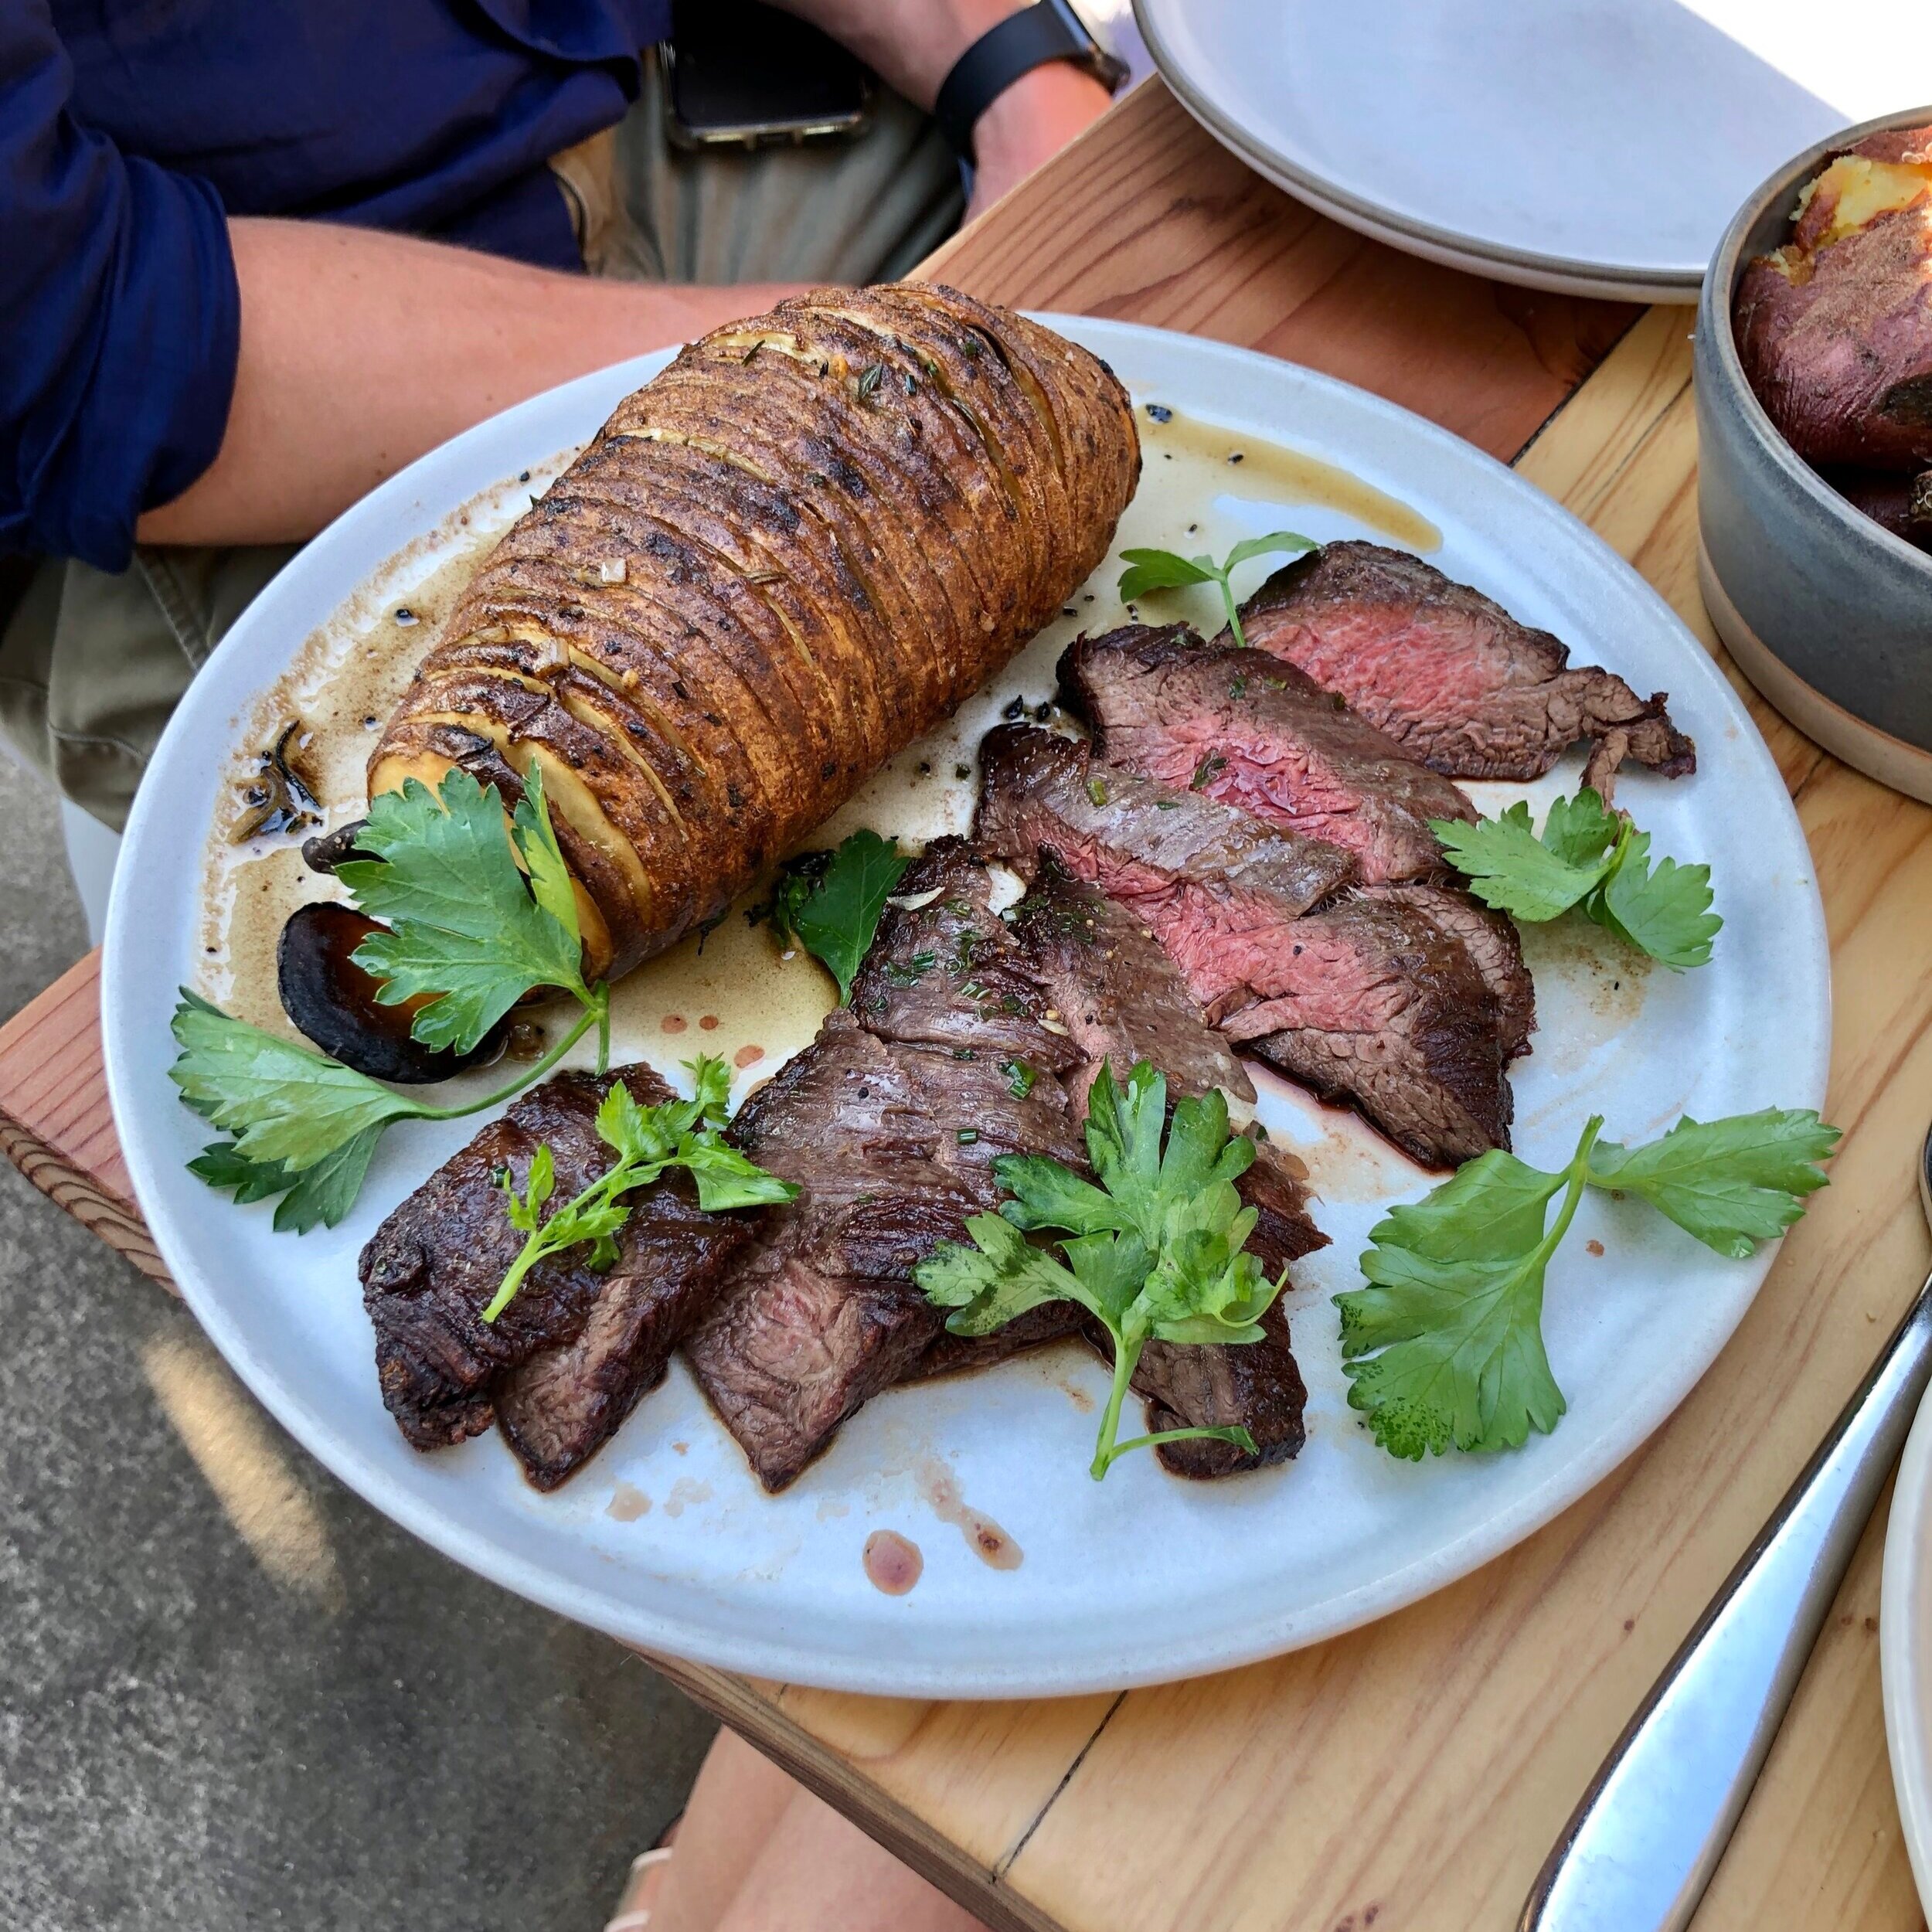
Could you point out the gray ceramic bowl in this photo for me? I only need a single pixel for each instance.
(1828, 613)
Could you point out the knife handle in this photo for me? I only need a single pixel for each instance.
(1641, 1845)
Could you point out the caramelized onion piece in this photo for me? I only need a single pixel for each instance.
(333, 1000)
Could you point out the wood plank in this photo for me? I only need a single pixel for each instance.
(54, 1124)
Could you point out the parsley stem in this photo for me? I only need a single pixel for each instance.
(527, 1078)
(1127, 1357)
(1235, 1434)
(1575, 1185)
(1225, 579)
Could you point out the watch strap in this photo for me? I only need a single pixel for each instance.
(1019, 43)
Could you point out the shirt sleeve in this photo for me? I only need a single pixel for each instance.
(119, 311)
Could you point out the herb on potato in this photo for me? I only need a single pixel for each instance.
(832, 903)
(466, 928)
(648, 1142)
(1590, 856)
(1444, 1345)
(467, 925)
(1167, 570)
(1155, 1252)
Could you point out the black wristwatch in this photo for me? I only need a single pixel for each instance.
(1050, 30)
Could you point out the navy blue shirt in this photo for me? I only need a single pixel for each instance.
(130, 129)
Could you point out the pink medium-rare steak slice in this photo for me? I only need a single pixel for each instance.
(1451, 675)
(1370, 1003)
(1256, 732)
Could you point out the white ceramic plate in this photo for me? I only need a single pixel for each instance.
(1596, 146)
(665, 1539)
(1905, 1647)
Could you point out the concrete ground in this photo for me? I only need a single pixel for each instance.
(232, 1696)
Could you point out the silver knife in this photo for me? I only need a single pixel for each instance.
(1641, 1845)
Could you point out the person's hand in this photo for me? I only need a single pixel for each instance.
(911, 45)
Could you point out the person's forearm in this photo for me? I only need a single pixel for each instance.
(360, 351)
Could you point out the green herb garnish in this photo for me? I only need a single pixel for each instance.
(1592, 857)
(1155, 1252)
(1169, 570)
(1444, 1346)
(648, 1142)
(466, 926)
(832, 905)
(469, 933)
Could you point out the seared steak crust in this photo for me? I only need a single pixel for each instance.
(1255, 732)
(1449, 674)
(433, 1265)
(1491, 940)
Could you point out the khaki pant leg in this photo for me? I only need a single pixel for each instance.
(862, 210)
(92, 665)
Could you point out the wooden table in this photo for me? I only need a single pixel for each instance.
(1413, 1775)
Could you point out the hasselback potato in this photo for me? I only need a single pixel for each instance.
(778, 563)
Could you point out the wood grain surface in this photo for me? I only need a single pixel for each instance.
(1411, 1775)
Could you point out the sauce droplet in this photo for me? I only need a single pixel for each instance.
(747, 1056)
(892, 1563)
(984, 1538)
(708, 1021)
(628, 1503)
(673, 1023)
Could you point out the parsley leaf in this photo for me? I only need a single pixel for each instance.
(469, 934)
(1166, 570)
(1733, 1183)
(832, 906)
(305, 1125)
(284, 1103)
(1590, 857)
(1444, 1345)
(1155, 1252)
(648, 1141)
(463, 927)
(319, 1195)
(1665, 913)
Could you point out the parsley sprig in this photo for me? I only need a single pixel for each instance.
(470, 932)
(648, 1141)
(1590, 856)
(1167, 570)
(831, 903)
(468, 926)
(1155, 1252)
(1444, 1345)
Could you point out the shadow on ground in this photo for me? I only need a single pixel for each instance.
(231, 1695)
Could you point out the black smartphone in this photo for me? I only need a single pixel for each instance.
(740, 74)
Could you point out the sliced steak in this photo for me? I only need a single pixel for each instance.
(1492, 942)
(948, 975)
(1133, 835)
(1450, 675)
(892, 1141)
(1369, 1003)
(565, 1404)
(1254, 732)
(1120, 998)
(1374, 1006)
(570, 1354)
(1256, 1384)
